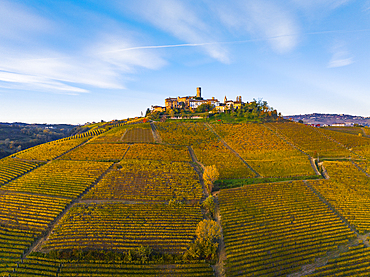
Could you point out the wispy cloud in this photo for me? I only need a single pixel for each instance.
(366, 7)
(18, 22)
(262, 19)
(181, 20)
(341, 56)
(48, 67)
(320, 4)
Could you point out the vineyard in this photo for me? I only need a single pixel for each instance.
(207, 148)
(355, 262)
(269, 155)
(138, 135)
(50, 150)
(11, 168)
(60, 178)
(31, 212)
(148, 180)
(348, 191)
(52, 267)
(98, 152)
(274, 229)
(310, 140)
(158, 152)
(118, 226)
(356, 143)
(128, 198)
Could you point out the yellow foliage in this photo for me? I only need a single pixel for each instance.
(208, 230)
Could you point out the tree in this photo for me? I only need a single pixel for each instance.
(147, 112)
(209, 205)
(210, 175)
(172, 113)
(205, 245)
(204, 108)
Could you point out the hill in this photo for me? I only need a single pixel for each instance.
(129, 198)
(330, 119)
(17, 136)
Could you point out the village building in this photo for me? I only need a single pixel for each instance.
(193, 102)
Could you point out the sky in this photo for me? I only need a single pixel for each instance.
(90, 60)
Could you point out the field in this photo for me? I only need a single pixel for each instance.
(11, 168)
(274, 229)
(310, 140)
(348, 191)
(207, 148)
(125, 200)
(51, 150)
(117, 226)
(138, 135)
(63, 268)
(158, 152)
(269, 155)
(148, 180)
(98, 152)
(60, 178)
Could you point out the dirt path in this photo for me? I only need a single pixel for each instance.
(232, 150)
(157, 137)
(123, 135)
(219, 266)
(197, 167)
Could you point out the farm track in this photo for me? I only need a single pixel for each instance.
(123, 135)
(232, 150)
(198, 171)
(219, 266)
(157, 137)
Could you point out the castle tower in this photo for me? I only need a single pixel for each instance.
(199, 92)
(225, 100)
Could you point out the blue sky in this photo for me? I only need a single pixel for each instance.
(83, 61)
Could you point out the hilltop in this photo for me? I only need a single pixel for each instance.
(182, 198)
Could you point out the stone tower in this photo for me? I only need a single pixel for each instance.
(199, 92)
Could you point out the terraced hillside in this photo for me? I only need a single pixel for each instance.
(130, 199)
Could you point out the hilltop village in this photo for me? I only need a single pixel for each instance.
(196, 106)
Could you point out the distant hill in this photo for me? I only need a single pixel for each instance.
(330, 119)
(19, 136)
